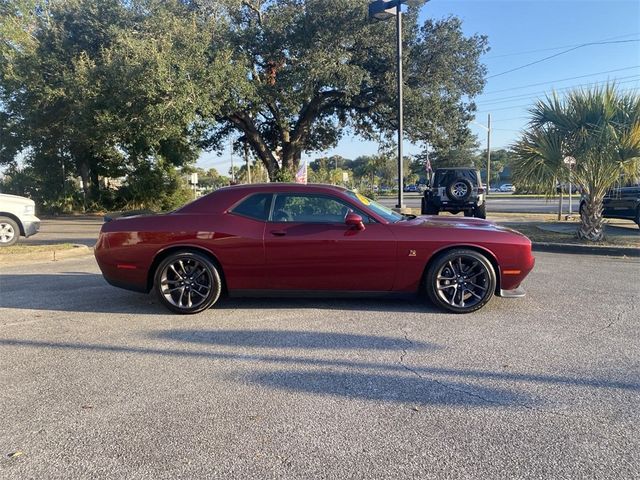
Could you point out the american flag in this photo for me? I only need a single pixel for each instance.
(301, 176)
(427, 165)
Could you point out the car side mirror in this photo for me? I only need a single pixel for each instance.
(354, 220)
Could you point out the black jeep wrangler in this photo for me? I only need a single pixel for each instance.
(455, 190)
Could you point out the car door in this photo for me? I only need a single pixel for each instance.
(309, 247)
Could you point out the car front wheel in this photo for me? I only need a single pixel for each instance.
(9, 232)
(460, 280)
(187, 282)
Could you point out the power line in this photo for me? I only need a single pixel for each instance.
(563, 89)
(491, 110)
(513, 54)
(560, 53)
(561, 80)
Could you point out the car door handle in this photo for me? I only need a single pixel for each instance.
(278, 233)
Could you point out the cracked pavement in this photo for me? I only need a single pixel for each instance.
(98, 382)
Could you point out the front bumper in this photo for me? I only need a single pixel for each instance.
(31, 226)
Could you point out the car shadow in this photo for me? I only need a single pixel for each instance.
(89, 292)
(291, 339)
(350, 377)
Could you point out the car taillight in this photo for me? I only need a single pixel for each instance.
(480, 190)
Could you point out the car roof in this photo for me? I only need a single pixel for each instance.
(456, 168)
(289, 187)
(224, 198)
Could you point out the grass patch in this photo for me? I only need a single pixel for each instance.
(25, 249)
(536, 234)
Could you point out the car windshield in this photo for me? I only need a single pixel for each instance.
(381, 210)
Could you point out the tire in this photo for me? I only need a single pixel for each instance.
(468, 213)
(459, 190)
(444, 275)
(428, 208)
(480, 211)
(191, 273)
(9, 232)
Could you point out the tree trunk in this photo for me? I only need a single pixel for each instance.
(95, 185)
(83, 170)
(592, 222)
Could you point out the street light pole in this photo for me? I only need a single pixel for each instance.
(487, 127)
(400, 204)
(382, 10)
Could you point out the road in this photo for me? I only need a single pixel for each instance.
(501, 203)
(99, 382)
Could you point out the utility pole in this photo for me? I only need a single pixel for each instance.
(488, 152)
(233, 174)
(246, 161)
(400, 109)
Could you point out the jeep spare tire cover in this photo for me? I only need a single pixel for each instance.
(459, 190)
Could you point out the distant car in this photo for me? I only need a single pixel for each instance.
(17, 218)
(564, 187)
(410, 188)
(507, 187)
(455, 190)
(277, 239)
(621, 203)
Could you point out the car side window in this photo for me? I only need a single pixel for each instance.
(254, 206)
(311, 209)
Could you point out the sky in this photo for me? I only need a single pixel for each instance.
(521, 32)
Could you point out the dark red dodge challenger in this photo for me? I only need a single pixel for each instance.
(284, 238)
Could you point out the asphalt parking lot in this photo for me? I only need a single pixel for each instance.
(103, 383)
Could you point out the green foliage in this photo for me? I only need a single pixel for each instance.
(108, 87)
(154, 186)
(117, 88)
(600, 128)
(316, 69)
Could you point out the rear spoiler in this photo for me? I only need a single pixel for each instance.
(109, 217)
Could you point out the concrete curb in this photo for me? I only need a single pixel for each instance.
(41, 257)
(585, 249)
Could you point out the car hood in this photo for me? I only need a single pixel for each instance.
(436, 221)
(15, 199)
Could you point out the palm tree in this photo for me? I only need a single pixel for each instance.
(600, 128)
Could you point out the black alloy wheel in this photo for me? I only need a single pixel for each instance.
(187, 282)
(460, 280)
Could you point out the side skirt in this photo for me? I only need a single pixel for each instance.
(318, 294)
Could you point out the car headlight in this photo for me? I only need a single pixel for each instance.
(29, 209)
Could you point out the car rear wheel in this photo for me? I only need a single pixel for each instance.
(187, 282)
(9, 232)
(460, 280)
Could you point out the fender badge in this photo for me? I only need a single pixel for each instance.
(412, 253)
